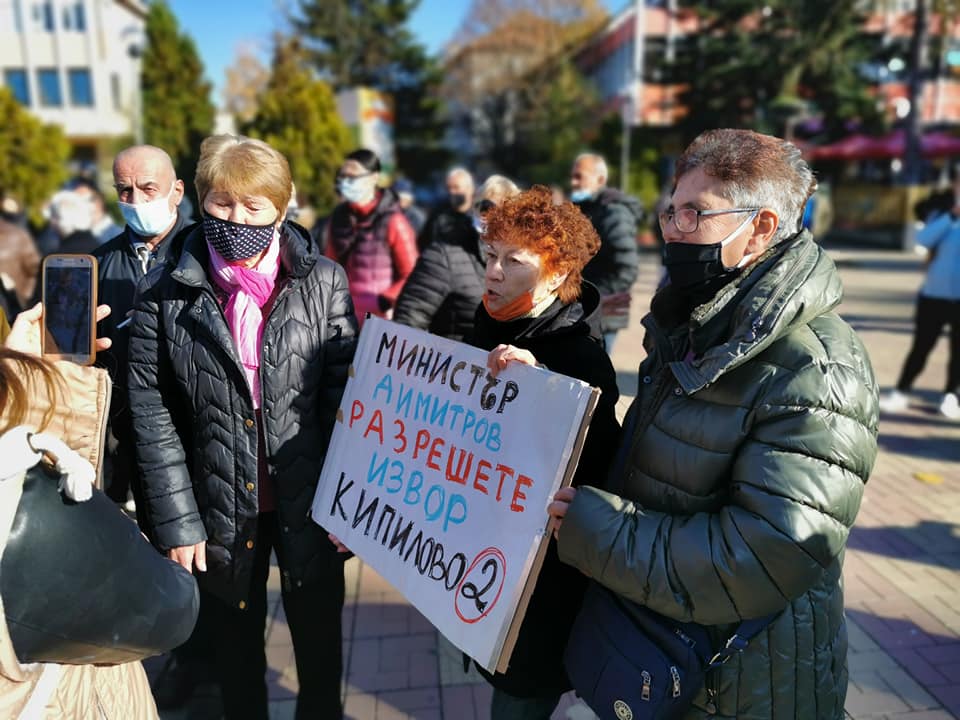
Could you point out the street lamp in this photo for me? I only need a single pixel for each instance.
(633, 93)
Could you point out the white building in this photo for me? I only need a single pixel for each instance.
(75, 63)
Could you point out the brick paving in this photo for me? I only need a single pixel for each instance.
(902, 569)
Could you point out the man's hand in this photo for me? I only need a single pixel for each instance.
(190, 555)
(27, 331)
(558, 508)
(502, 354)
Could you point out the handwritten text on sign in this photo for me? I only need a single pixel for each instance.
(438, 475)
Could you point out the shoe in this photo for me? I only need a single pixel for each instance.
(950, 406)
(893, 402)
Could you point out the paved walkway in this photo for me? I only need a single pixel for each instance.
(902, 567)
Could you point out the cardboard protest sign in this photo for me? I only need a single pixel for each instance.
(439, 475)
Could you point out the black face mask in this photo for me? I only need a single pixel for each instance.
(691, 266)
(458, 200)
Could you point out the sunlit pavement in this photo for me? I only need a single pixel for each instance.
(902, 564)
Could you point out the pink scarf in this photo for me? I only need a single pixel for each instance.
(249, 290)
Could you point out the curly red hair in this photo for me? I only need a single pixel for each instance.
(559, 233)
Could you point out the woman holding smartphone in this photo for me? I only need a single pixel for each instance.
(238, 359)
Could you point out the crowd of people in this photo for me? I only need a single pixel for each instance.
(727, 494)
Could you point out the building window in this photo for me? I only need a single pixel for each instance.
(16, 80)
(49, 83)
(81, 88)
(43, 15)
(74, 17)
(17, 18)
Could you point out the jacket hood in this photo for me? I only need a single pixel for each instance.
(793, 284)
(298, 254)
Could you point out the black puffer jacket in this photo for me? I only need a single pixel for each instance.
(118, 273)
(613, 269)
(445, 287)
(194, 418)
(565, 338)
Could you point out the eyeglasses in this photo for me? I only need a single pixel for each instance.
(687, 220)
(345, 176)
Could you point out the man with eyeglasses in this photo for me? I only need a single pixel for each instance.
(749, 442)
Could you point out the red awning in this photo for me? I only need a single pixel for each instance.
(892, 145)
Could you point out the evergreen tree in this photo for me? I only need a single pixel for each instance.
(556, 122)
(297, 115)
(354, 43)
(177, 111)
(34, 156)
(757, 68)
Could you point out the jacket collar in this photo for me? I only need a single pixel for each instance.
(789, 287)
(164, 247)
(298, 255)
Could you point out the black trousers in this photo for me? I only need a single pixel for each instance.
(932, 315)
(313, 616)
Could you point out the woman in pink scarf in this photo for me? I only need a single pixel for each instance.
(238, 358)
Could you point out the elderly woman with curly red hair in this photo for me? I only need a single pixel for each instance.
(538, 310)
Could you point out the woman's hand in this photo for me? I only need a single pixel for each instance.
(502, 354)
(190, 555)
(27, 331)
(558, 508)
(341, 548)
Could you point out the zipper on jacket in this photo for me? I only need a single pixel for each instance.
(675, 674)
(782, 287)
(645, 690)
(284, 291)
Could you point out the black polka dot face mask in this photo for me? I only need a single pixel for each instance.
(236, 241)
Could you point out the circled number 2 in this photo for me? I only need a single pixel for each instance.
(481, 586)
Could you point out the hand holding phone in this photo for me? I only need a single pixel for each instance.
(69, 308)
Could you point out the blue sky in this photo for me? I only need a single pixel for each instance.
(218, 27)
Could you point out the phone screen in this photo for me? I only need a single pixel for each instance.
(68, 306)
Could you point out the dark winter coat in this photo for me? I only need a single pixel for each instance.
(756, 429)
(446, 285)
(566, 339)
(118, 273)
(194, 419)
(613, 269)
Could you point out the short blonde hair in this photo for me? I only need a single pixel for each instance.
(498, 188)
(243, 166)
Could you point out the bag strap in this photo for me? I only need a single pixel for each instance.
(737, 643)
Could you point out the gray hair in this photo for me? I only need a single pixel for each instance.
(599, 164)
(461, 172)
(754, 171)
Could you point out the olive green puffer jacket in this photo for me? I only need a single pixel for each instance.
(755, 431)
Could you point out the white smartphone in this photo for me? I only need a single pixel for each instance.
(70, 308)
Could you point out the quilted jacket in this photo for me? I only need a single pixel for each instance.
(194, 419)
(754, 432)
(444, 290)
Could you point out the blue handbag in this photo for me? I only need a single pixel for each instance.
(630, 663)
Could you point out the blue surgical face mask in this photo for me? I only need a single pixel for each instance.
(580, 195)
(149, 219)
(355, 190)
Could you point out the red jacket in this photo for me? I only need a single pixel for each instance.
(377, 247)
